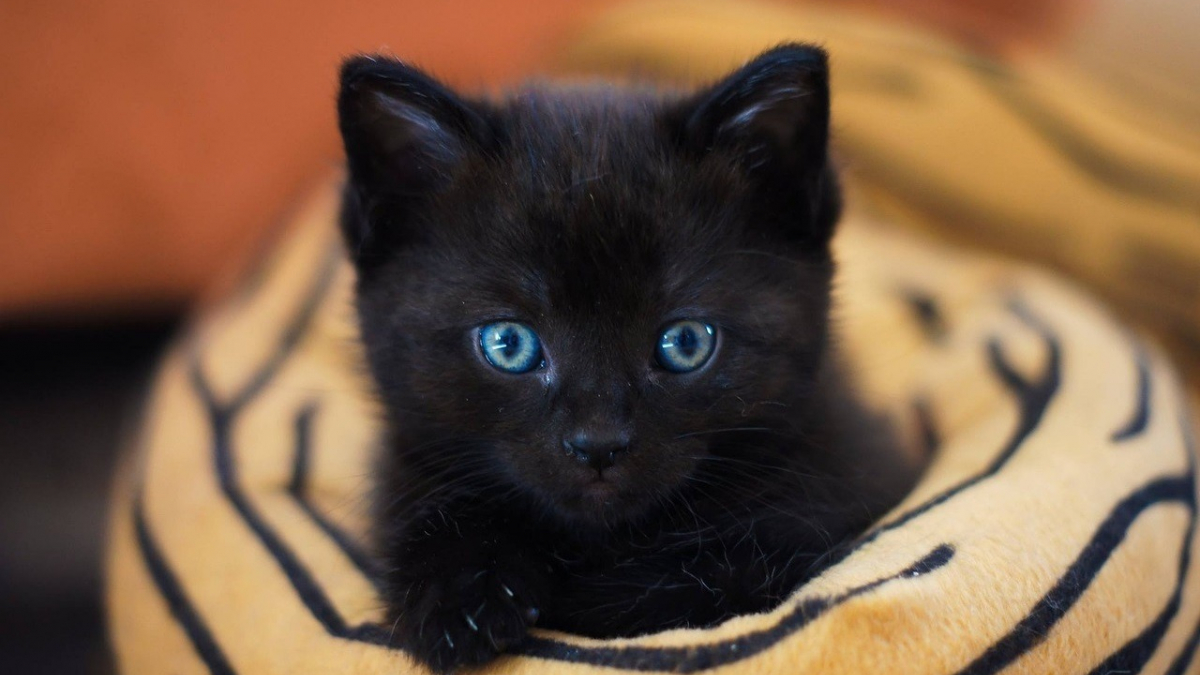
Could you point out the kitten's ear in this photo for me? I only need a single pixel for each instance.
(406, 136)
(773, 116)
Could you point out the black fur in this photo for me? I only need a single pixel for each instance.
(597, 215)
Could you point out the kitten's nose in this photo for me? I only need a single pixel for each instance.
(598, 449)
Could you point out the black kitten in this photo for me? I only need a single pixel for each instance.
(599, 322)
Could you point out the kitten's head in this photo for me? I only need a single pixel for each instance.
(577, 294)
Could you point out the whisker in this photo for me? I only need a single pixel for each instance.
(720, 431)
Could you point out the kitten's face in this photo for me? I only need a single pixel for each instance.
(574, 295)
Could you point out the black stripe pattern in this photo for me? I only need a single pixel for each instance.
(298, 489)
(1033, 397)
(178, 603)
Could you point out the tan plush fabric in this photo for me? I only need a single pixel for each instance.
(1053, 532)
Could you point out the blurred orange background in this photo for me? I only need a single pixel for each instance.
(146, 143)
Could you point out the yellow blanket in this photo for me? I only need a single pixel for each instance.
(1053, 531)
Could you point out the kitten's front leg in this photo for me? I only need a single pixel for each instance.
(462, 587)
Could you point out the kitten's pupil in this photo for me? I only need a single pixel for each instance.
(510, 342)
(686, 341)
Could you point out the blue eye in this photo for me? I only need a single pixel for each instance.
(685, 346)
(511, 347)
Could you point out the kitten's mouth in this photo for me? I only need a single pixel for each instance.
(601, 498)
(600, 503)
(599, 489)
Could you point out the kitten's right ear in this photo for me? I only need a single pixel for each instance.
(772, 116)
(406, 136)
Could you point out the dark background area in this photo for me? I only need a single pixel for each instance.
(70, 393)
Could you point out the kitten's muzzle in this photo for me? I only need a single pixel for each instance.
(598, 450)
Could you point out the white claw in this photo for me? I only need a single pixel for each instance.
(508, 591)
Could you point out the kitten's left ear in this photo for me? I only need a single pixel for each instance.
(772, 115)
(407, 137)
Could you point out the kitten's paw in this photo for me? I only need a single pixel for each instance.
(466, 620)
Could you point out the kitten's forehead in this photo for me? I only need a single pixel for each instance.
(603, 194)
(590, 209)
(597, 123)
(577, 185)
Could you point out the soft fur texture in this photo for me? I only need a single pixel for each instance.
(597, 216)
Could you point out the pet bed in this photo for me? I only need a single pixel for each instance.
(1052, 532)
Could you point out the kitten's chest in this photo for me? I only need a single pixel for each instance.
(673, 577)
